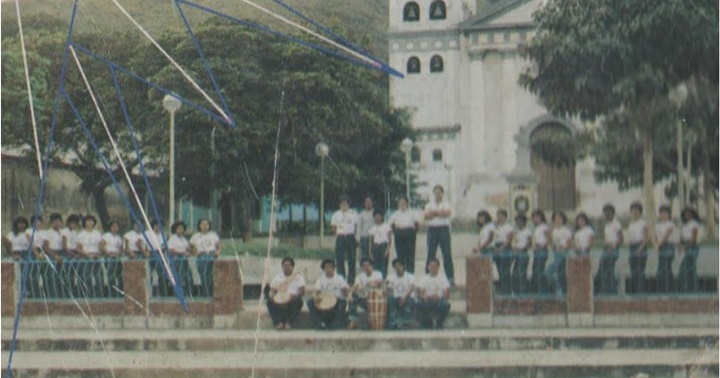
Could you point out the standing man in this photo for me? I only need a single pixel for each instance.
(344, 223)
(434, 293)
(605, 278)
(285, 307)
(365, 221)
(405, 225)
(437, 213)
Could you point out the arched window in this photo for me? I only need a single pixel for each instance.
(436, 64)
(437, 155)
(415, 154)
(556, 184)
(411, 12)
(413, 65)
(437, 10)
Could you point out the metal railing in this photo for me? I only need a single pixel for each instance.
(73, 278)
(194, 276)
(528, 274)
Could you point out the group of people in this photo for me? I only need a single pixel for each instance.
(81, 260)
(509, 247)
(334, 302)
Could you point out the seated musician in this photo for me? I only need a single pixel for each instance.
(366, 280)
(284, 301)
(401, 302)
(330, 289)
(433, 306)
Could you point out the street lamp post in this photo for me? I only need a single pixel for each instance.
(172, 104)
(322, 150)
(406, 147)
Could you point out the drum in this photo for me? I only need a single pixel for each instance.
(325, 302)
(282, 298)
(377, 309)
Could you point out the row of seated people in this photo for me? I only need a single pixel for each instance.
(399, 301)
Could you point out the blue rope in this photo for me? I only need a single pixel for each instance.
(138, 154)
(151, 84)
(41, 192)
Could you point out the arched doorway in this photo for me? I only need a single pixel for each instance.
(555, 185)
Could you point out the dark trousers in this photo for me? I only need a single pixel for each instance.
(284, 313)
(439, 236)
(400, 316)
(664, 274)
(334, 319)
(638, 262)
(380, 262)
(184, 275)
(687, 277)
(113, 268)
(92, 277)
(345, 249)
(503, 261)
(605, 278)
(163, 283)
(205, 263)
(405, 239)
(364, 247)
(518, 275)
(556, 272)
(353, 307)
(432, 313)
(538, 280)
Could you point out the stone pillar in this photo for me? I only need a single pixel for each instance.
(478, 286)
(135, 284)
(9, 289)
(227, 293)
(579, 291)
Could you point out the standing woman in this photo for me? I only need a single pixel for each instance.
(180, 249)
(134, 242)
(111, 246)
(687, 278)
(487, 232)
(541, 241)
(503, 256)
(562, 240)
(613, 238)
(665, 248)
(405, 226)
(16, 242)
(584, 235)
(88, 248)
(69, 242)
(205, 244)
(522, 238)
(637, 242)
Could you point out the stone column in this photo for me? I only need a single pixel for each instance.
(227, 293)
(135, 284)
(579, 292)
(9, 287)
(478, 288)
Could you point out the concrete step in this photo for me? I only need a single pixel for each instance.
(415, 364)
(361, 341)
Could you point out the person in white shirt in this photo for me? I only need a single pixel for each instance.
(36, 238)
(206, 245)
(612, 237)
(365, 221)
(155, 237)
(405, 226)
(637, 242)
(53, 282)
(402, 300)
(665, 248)
(16, 243)
(111, 246)
(487, 232)
(134, 242)
(687, 276)
(180, 250)
(88, 247)
(584, 235)
(334, 284)
(562, 239)
(522, 238)
(344, 223)
(433, 306)
(437, 215)
(367, 279)
(380, 242)
(291, 286)
(70, 234)
(502, 251)
(541, 242)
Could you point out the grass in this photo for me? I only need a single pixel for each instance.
(259, 249)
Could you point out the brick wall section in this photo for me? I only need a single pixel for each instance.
(579, 285)
(136, 286)
(7, 286)
(227, 288)
(529, 306)
(479, 285)
(657, 306)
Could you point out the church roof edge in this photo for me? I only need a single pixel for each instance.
(490, 13)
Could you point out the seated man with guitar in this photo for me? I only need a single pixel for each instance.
(284, 301)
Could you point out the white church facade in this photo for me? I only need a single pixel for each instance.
(473, 122)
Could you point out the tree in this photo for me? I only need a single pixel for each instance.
(616, 61)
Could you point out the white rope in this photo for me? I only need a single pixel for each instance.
(29, 90)
(122, 164)
(314, 34)
(172, 61)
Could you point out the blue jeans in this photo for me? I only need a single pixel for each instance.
(556, 272)
(205, 263)
(605, 278)
(503, 261)
(687, 277)
(538, 281)
(345, 249)
(353, 306)
(400, 316)
(664, 274)
(638, 262)
(439, 236)
(333, 319)
(519, 271)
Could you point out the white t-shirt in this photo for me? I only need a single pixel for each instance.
(582, 237)
(19, 242)
(401, 286)
(38, 239)
(294, 285)
(156, 239)
(438, 221)
(686, 232)
(522, 238)
(379, 233)
(205, 242)
(560, 237)
(364, 281)
(486, 233)
(345, 222)
(70, 238)
(90, 241)
(501, 233)
(333, 285)
(434, 285)
(179, 244)
(540, 236)
(54, 239)
(611, 232)
(131, 238)
(365, 221)
(402, 219)
(113, 243)
(662, 228)
(636, 231)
